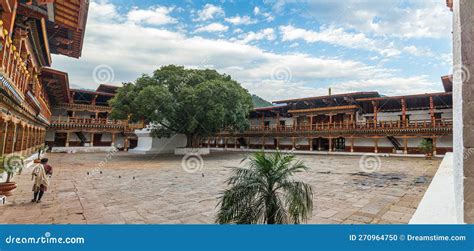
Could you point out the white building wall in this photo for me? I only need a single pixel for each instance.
(49, 135)
(414, 115)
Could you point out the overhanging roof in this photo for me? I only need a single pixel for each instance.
(56, 84)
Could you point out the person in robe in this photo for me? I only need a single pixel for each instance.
(41, 175)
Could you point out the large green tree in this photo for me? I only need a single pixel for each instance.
(192, 102)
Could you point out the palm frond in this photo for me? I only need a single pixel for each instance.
(264, 192)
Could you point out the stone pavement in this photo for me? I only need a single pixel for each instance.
(116, 188)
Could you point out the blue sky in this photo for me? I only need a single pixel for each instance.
(276, 49)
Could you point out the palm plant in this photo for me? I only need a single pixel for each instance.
(265, 192)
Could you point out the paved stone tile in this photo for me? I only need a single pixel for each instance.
(393, 216)
(140, 189)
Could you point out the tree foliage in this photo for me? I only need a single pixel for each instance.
(260, 102)
(265, 192)
(192, 102)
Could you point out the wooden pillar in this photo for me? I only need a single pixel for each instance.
(376, 145)
(235, 142)
(42, 138)
(310, 142)
(330, 144)
(434, 139)
(248, 143)
(67, 139)
(405, 145)
(277, 143)
(311, 122)
(319, 144)
(293, 142)
(404, 113)
(263, 143)
(113, 139)
(352, 145)
(15, 132)
(27, 141)
(126, 143)
(263, 120)
(374, 105)
(278, 121)
(91, 139)
(9, 16)
(3, 137)
(432, 115)
(21, 138)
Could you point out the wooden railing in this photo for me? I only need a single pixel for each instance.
(369, 125)
(81, 121)
(85, 107)
(87, 121)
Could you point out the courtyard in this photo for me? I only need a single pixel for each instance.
(122, 188)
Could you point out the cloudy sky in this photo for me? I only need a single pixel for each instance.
(276, 49)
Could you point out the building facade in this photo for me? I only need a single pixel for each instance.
(30, 31)
(350, 122)
(81, 119)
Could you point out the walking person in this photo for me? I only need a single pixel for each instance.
(41, 174)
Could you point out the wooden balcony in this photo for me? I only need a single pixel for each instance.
(17, 79)
(13, 70)
(341, 129)
(85, 107)
(82, 123)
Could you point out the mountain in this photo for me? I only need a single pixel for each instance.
(259, 102)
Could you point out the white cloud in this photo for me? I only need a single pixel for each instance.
(112, 40)
(267, 16)
(209, 12)
(154, 16)
(214, 27)
(337, 36)
(390, 85)
(240, 20)
(419, 52)
(268, 34)
(414, 19)
(294, 45)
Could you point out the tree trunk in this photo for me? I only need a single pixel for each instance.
(188, 141)
(192, 140)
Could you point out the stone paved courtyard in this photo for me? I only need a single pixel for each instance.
(141, 189)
